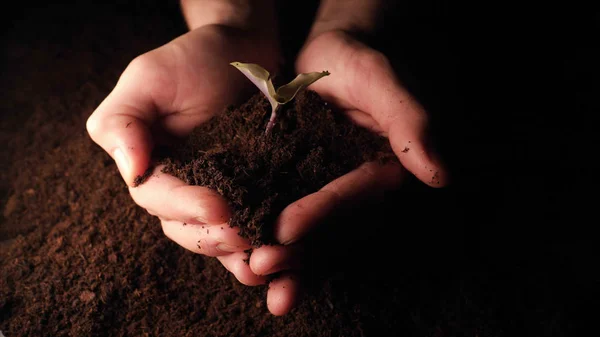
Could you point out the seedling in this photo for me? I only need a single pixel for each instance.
(285, 93)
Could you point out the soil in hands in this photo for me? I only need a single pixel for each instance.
(260, 174)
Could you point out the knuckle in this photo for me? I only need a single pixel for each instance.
(165, 230)
(372, 58)
(91, 125)
(366, 60)
(141, 64)
(153, 75)
(332, 194)
(138, 198)
(371, 170)
(143, 71)
(151, 212)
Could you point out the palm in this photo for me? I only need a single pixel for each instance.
(190, 78)
(363, 84)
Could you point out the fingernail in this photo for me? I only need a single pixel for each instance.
(228, 248)
(122, 162)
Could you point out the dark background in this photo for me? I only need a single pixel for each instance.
(513, 92)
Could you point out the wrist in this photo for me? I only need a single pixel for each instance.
(256, 17)
(351, 16)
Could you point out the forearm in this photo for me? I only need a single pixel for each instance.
(256, 16)
(349, 15)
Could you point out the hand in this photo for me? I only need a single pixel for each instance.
(363, 85)
(166, 93)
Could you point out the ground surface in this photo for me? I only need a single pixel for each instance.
(506, 251)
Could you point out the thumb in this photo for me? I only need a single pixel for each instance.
(121, 123)
(124, 136)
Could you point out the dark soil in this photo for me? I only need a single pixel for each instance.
(509, 250)
(260, 174)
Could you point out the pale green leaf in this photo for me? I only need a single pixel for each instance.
(287, 92)
(262, 79)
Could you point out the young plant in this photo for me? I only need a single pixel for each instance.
(262, 79)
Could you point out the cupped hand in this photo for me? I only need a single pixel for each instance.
(364, 86)
(163, 95)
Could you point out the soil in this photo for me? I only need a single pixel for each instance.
(481, 258)
(260, 174)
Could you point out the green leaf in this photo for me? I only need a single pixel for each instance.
(284, 94)
(287, 92)
(260, 77)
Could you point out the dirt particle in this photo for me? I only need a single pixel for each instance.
(86, 296)
(11, 205)
(405, 149)
(128, 124)
(436, 178)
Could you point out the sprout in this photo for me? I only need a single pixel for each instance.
(262, 79)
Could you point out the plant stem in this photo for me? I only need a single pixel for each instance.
(271, 122)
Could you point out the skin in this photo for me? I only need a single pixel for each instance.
(364, 86)
(163, 94)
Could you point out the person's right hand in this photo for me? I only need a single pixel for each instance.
(165, 93)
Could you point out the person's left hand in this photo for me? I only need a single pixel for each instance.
(363, 85)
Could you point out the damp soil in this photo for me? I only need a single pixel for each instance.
(261, 173)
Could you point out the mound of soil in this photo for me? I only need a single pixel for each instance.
(260, 174)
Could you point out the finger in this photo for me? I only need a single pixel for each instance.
(367, 181)
(283, 294)
(235, 263)
(121, 123)
(171, 198)
(126, 138)
(365, 120)
(268, 260)
(366, 81)
(209, 240)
